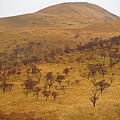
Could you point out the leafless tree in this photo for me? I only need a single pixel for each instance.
(6, 86)
(102, 85)
(103, 71)
(50, 83)
(49, 76)
(94, 96)
(62, 87)
(112, 78)
(66, 71)
(37, 72)
(37, 90)
(29, 84)
(54, 94)
(60, 78)
(46, 94)
(26, 92)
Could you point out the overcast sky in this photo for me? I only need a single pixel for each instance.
(17, 7)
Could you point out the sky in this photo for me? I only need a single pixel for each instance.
(17, 7)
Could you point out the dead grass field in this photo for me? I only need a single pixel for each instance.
(74, 104)
(54, 30)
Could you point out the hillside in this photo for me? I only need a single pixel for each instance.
(78, 12)
(60, 63)
(62, 86)
(59, 25)
(66, 14)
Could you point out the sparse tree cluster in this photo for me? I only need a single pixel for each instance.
(22, 60)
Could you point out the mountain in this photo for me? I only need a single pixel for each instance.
(66, 14)
(60, 23)
(79, 11)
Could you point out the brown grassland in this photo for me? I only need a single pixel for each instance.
(45, 41)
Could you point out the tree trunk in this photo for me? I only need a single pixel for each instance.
(94, 104)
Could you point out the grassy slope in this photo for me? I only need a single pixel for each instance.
(58, 27)
(72, 105)
(75, 103)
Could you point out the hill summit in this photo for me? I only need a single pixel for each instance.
(65, 14)
(80, 10)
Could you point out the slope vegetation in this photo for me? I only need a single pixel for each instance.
(66, 14)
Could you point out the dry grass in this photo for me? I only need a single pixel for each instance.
(74, 104)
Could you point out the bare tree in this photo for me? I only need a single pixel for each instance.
(102, 85)
(60, 88)
(37, 72)
(77, 81)
(26, 91)
(49, 76)
(66, 71)
(37, 90)
(29, 84)
(6, 86)
(46, 94)
(94, 96)
(112, 78)
(54, 94)
(60, 78)
(103, 71)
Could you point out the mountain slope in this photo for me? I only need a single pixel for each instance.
(81, 10)
(65, 14)
(59, 24)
